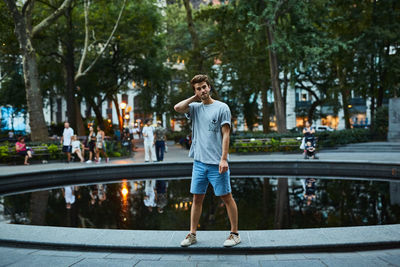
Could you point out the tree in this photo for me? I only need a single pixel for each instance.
(25, 32)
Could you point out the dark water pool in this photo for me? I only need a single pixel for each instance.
(263, 203)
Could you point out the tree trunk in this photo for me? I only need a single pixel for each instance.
(265, 109)
(38, 207)
(80, 126)
(96, 110)
(266, 200)
(312, 109)
(344, 91)
(282, 205)
(33, 95)
(279, 103)
(120, 120)
(70, 71)
(196, 55)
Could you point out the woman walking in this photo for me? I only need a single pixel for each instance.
(91, 143)
(100, 147)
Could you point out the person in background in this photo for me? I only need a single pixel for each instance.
(160, 136)
(21, 149)
(77, 147)
(10, 136)
(126, 142)
(100, 147)
(66, 140)
(136, 136)
(149, 147)
(91, 144)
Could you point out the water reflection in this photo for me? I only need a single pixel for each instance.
(149, 199)
(309, 190)
(263, 203)
(97, 194)
(69, 196)
(161, 195)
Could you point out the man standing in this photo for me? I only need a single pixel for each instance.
(66, 140)
(211, 121)
(160, 135)
(148, 136)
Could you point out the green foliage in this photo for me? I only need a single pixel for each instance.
(348, 136)
(265, 145)
(381, 124)
(54, 151)
(4, 152)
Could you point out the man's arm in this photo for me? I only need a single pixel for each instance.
(183, 106)
(223, 164)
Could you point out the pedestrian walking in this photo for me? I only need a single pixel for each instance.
(66, 140)
(91, 142)
(136, 136)
(160, 136)
(100, 145)
(148, 139)
(211, 122)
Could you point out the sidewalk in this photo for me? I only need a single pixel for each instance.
(177, 154)
(119, 245)
(24, 257)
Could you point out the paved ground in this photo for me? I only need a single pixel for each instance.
(177, 154)
(11, 256)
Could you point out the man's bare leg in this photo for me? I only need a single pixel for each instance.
(231, 208)
(195, 212)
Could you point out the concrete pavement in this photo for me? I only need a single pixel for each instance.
(68, 256)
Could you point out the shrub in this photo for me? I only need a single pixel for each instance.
(342, 137)
(4, 152)
(381, 124)
(54, 151)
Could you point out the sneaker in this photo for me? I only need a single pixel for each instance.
(232, 240)
(89, 161)
(190, 239)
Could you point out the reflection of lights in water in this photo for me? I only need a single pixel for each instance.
(182, 205)
(124, 215)
(124, 191)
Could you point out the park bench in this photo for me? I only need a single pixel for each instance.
(39, 152)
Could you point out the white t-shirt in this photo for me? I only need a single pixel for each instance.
(149, 130)
(67, 134)
(69, 194)
(76, 145)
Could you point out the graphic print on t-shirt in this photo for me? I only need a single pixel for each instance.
(213, 125)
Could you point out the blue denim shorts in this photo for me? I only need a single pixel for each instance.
(203, 174)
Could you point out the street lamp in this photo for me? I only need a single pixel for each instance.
(122, 105)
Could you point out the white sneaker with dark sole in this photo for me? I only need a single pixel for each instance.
(232, 240)
(190, 239)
